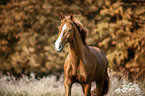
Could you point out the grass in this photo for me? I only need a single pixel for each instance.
(51, 86)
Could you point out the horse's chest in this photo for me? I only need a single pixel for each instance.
(80, 76)
(77, 71)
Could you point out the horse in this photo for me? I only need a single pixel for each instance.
(84, 64)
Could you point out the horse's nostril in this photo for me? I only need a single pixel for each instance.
(59, 47)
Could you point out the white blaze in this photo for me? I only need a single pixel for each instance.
(60, 37)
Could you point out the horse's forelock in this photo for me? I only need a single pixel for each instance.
(66, 18)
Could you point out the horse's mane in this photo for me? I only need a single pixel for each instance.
(82, 30)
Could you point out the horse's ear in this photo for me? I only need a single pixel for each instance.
(71, 16)
(61, 16)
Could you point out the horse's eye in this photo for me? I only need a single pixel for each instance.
(69, 30)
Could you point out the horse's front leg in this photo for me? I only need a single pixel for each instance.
(68, 85)
(87, 89)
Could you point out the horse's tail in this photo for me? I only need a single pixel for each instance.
(106, 85)
(104, 56)
(106, 79)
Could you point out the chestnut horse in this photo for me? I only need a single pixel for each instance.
(84, 64)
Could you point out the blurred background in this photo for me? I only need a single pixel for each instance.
(28, 30)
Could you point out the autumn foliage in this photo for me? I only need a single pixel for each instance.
(28, 29)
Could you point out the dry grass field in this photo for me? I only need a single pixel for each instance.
(51, 86)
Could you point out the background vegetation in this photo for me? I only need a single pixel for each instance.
(29, 86)
(28, 30)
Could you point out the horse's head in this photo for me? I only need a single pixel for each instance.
(65, 33)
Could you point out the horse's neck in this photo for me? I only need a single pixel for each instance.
(76, 46)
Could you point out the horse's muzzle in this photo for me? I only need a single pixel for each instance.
(58, 48)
